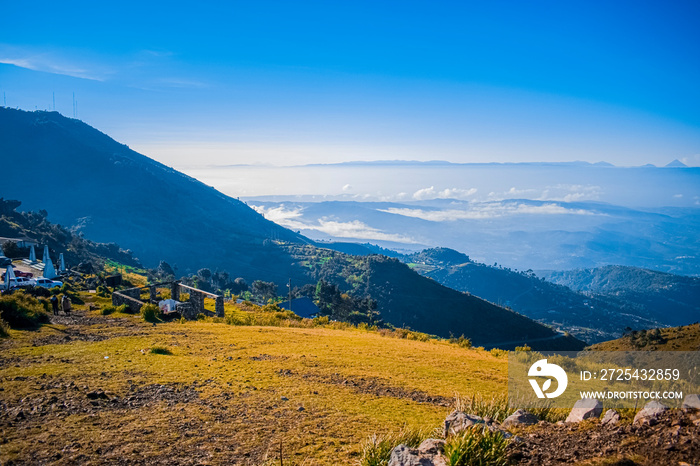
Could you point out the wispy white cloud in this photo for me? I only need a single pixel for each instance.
(447, 193)
(483, 211)
(51, 64)
(355, 229)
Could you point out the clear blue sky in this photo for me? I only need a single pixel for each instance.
(307, 82)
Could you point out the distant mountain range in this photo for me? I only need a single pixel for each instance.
(518, 233)
(102, 189)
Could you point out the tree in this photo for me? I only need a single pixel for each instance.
(264, 290)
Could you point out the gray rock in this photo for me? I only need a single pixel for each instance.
(610, 418)
(457, 421)
(520, 418)
(691, 403)
(585, 409)
(650, 413)
(432, 446)
(405, 456)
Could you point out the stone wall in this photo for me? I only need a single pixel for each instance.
(190, 310)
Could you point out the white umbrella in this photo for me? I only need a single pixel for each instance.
(9, 276)
(61, 263)
(46, 254)
(32, 254)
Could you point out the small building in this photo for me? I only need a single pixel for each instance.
(303, 307)
(20, 242)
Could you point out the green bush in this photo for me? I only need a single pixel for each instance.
(150, 313)
(320, 320)
(160, 350)
(476, 446)
(107, 310)
(122, 309)
(21, 310)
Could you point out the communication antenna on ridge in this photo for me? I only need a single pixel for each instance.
(53, 94)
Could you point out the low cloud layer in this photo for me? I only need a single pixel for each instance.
(483, 211)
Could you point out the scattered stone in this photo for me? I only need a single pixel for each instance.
(457, 421)
(691, 403)
(520, 418)
(610, 418)
(405, 456)
(300, 408)
(650, 413)
(284, 398)
(585, 409)
(432, 446)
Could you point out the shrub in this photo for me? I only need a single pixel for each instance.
(21, 310)
(476, 446)
(4, 328)
(523, 348)
(122, 309)
(150, 313)
(376, 450)
(160, 350)
(497, 353)
(320, 320)
(107, 310)
(496, 407)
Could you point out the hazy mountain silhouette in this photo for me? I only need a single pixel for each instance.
(85, 179)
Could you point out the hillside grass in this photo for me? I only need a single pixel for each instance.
(684, 338)
(351, 383)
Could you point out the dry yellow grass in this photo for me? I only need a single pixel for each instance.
(250, 383)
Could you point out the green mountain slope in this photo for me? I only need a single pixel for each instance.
(671, 299)
(75, 249)
(404, 298)
(86, 180)
(589, 318)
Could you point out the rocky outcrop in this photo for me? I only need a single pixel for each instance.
(691, 404)
(457, 421)
(429, 453)
(520, 418)
(649, 415)
(610, 418)
(585, 409)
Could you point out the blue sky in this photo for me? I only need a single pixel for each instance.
(308, 82)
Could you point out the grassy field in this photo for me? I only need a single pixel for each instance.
(88, 389)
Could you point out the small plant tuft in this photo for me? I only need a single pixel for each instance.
(160, 350)
(376, 450)
(476, 446)
(150, 313)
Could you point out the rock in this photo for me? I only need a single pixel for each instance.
(432, 446)
(610, 418)
(405, 456)
(300, 408)
(585, 409)
(691, 403)
(458, 421)
(284, 398)
(650, 413)
(520, 418)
